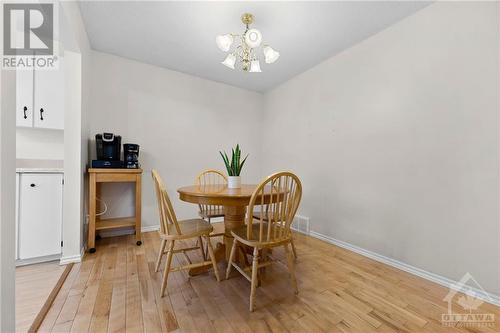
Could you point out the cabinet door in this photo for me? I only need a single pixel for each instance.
(40, 215)
(49, 97)
(24, 98)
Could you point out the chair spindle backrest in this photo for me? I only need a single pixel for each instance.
(165, 208)
(209, 178)
(277, 199)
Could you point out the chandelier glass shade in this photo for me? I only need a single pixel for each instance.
(229, 61)
(246, 48)
(224, 42)
(270, 54)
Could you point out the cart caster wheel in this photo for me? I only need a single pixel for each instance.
(92, 250)
(97, 237)
(139, 243)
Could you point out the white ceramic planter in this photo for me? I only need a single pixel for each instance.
(234, 182)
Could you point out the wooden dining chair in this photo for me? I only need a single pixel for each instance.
(172, 231)
(208, 212)
(208, 178)
(281, 194)
(256, 215)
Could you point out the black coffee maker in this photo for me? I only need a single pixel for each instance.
(108, 150)
(131, 155)
(108, 146)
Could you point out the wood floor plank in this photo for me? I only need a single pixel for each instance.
(166, 313)
(133, 313)
(83, 316)
(59, 302)
(68, 312)
(117, 311)
(149, 309)
(100, 315)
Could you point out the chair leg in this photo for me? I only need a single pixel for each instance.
(293, 249)
(291, 268)
(170, 253)
(255, 265)
(212, 257)
(206, 245)
(160, 254)
(231, 258)
(203, 253)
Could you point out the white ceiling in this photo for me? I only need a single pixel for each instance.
(181, 35)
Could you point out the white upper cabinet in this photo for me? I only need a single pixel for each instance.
(49, 98)
(40, 97)
(24, 98)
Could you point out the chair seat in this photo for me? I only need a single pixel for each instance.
(240, 233)
(189, 229)
(212, 213)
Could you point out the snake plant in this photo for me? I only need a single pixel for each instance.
(234, 165)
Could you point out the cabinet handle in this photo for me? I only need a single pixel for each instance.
(32, 185)
(24, 110)
(41, 113)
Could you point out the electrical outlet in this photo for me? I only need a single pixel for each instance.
(301, 224)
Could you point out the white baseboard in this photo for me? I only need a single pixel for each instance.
(441, 280)
(72, 259)
(38, 260)
(150, 228)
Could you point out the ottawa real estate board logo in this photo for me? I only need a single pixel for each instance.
(464, 301)
(28, 36)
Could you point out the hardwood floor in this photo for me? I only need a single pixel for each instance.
(33, 285)
(117, 290)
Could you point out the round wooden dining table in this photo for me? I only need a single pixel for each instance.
(235, 202)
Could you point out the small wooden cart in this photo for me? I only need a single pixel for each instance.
(98, 176)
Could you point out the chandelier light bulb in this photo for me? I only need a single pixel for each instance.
(229, 61)
(270, 55)
(255, 67)
(224, 42)
(253, 38)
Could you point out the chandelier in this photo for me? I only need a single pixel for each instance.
(246, 47)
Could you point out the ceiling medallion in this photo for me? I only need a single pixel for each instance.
(246, 47)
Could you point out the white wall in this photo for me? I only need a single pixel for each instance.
(396, 141)
(179, 121)
(33, 143)
(77, 74)
(7, 197)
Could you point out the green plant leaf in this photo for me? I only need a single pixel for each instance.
(232, 162)
(237, 160)
(226, 162)
(230, 170)
(241, 165)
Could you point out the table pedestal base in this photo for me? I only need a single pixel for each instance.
(234, 217)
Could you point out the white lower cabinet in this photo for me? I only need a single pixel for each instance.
(39, 215)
